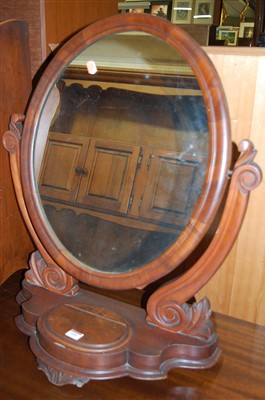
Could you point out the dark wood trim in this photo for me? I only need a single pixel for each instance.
(217, 12)
(15, 78)
(259, 20)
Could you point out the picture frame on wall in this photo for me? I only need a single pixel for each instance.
(203, 12)
(181, 11)
(246, 30)
(229, 35)
(136, 10)
(134, 6)
(160, 8)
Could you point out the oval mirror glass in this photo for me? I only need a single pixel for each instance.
(121, 154)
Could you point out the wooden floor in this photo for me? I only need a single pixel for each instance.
(240, 374)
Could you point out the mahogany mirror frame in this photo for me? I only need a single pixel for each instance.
(171, 332)
(219, 150)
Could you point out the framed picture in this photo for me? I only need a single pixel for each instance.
(136, 10)
(181, 12)
(246, 30)
(134, 6)
(229, 35)
(161, 8)
(203, 13)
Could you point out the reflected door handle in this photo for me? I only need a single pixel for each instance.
(78, 170)
(81, 171)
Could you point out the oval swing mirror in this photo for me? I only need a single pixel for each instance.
(126, 151)
(122, 167)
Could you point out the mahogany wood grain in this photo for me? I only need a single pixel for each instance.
(95, 355)
(239, 375)
(63, 19)
(15, 82)
(32, 12)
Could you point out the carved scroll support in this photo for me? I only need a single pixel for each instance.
(190, 319)
(50, 276)
(167, 307)
(43, 270)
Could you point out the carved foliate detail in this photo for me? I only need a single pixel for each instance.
(189, 319)
(60, 378)
(50, 276)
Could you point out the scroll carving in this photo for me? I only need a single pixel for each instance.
(50, 276)
(190, 319)
(166, 307)
(246, 172)
(11, 139)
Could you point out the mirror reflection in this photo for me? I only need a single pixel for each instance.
(121, 152)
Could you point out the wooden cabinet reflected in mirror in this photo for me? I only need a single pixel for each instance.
(115, 156)
(123, 171)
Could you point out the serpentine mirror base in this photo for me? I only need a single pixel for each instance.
(88, 336)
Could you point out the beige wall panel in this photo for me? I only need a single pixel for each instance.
(239, 87)
(250, 260)
(238, 289)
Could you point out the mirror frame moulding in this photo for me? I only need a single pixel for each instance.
(218, 163)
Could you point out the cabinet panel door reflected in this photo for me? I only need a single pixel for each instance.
(170, 186)
(64, 156)
(111, 169)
